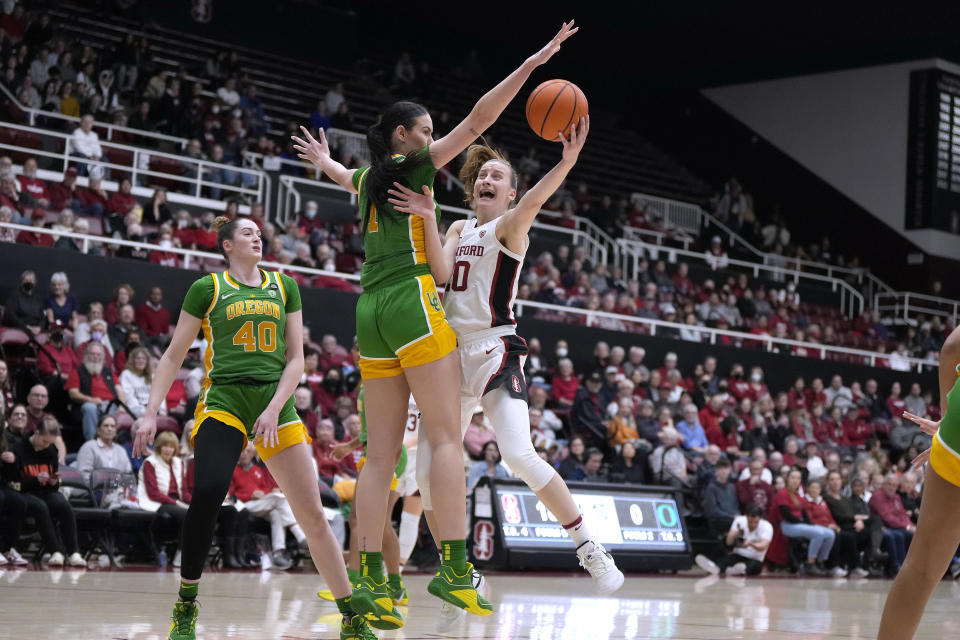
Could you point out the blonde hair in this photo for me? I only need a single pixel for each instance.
(165, 439)
(477, 156)
(147, 375)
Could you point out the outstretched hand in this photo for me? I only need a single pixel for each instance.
(408, 201)
(553, 46)
(917, 463)
(929, 427)
(578, 136)
(313, 150)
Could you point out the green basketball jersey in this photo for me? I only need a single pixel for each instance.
(394, 242)
(244, 326)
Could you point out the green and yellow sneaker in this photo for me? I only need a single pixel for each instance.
(184, 625)
(398, 594)
(371, 600)
(326, 594)
(355, 629)
(460, 590)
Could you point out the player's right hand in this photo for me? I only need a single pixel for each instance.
(145, 434)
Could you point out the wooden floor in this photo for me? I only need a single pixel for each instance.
(128, 604)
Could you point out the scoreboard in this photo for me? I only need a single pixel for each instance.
(640, 525)
(933, 151)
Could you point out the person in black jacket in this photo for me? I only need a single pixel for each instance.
(587, 415)
(630, 467)
(574, 461)
(720, 499)
(13, 506)
(35, 475)
(24, 308)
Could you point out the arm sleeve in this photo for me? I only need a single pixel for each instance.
(787, 516)
(150, 484)
(199, 297)
(292, 290)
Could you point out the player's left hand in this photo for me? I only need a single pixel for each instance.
(265, 428)
(574, 143)
(920, 460)
(408, 201)
(929, 427)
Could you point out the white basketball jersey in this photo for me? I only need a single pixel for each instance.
(484, 283)
(412, 433)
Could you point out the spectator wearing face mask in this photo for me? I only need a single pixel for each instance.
(309, 218)
(24, 308)
(328, 392)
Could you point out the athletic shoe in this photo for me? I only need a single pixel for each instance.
(184, 624)
(76, 560)
(600, 565)
(56, 560)
(176, 559)
(280, 561)
(707, 565)
(399, 596)
(739, 569)
(356, 629)
(3, 560)
(371, 600)
(815, 571)
(839, 572)
(449, 617)
(859, 572)
(459, 590)
(327, 595)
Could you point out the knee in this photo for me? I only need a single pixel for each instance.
(88, 408)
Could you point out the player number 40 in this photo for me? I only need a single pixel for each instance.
(263, 339)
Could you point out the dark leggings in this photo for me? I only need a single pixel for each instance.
(47, 506)
(13, 511)
(217, 448)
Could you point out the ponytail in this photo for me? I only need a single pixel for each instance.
(384, 170)
(477, 156)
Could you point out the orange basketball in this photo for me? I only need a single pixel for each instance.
(554, 107)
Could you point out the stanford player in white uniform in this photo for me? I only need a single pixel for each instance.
(483, 258)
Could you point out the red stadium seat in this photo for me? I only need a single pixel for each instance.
(166, 423)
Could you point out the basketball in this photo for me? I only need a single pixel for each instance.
(554, 107)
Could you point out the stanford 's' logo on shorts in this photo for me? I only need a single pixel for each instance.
(515, 382)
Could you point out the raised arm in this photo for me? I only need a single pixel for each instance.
(317, 152)
(517, 222)
(492, 104)
(440, 255)
(188, 327)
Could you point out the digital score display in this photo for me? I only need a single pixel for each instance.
(635, 520)
(933, 151)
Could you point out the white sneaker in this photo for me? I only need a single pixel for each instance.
(176, 559)
(3, 560)
(76, 560)
(15, 558)
(707, 564)
(600, 565)
(449, 617)
(739, 569)
(56, 560)
(859, 572)
(839, 572)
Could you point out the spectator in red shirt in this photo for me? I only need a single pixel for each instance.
(757, 388)
(565, 384)
(122, 202)
(57, 352)
(855, 430)
(92, 389)
(33, 185)
(797, 395)
(162, 257)
(184, 229)
(327, 466)
(312, 376)
(33, 238)
(898, 528)
(895, 404)
(255, 488)
(739, 388)
(332, 354)
(153, 319)
(204, 238)
(163, 487)
(330, 389)
(67, 193)
(681, 280)
(303, 403)
(816, 393)
(93, 199)
(122, 295)
(713, 414)
(753, 490)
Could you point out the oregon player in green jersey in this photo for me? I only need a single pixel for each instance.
(391, 544)
(406, 344)
(253, 324)
(938, 528)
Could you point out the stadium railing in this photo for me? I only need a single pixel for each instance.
(709, 335)
(137, 165)
(106, 129)
(905, 307)
(633, 251)
(193, 259)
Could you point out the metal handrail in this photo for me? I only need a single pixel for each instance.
(870, 357)
(187, 254)
(141, 159)
(907, 306)
(97, 124)
(636, 249)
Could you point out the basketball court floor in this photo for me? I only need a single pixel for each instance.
(132, 604)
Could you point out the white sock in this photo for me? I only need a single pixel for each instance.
(409, 530)
(578, 532)
(298, 533)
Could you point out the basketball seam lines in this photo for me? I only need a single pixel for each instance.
(547, 115)
(573, 113)
(531, 100)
